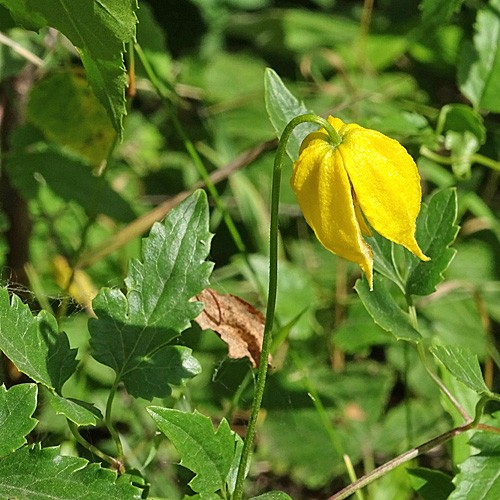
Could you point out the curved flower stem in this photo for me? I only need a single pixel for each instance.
(273, 285)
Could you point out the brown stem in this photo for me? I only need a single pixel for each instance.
(143, 223)
(405, 457)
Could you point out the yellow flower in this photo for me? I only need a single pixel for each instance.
(367, 174)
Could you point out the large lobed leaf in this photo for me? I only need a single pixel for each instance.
(34, 344)
(17, 405)
(131, 332)
(31, 473)
(207, 453)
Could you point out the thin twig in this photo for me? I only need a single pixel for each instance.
(143, 223)
(28, 55)
(401, 459)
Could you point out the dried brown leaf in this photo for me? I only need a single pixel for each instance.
(237, 323)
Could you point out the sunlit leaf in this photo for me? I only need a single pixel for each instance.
(131, 332)
(462, 364)
(31, 473)
(34, 344)
(207, 453)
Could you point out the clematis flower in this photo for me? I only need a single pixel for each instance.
(367, 174)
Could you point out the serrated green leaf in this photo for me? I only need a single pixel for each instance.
(430, 484)
(173, 269)
(131, 332)
(478, 478)
(272, 495)
(34, 344)
(436, 231)
(31, 473)
(282, 106)
(99, 26)
(69, 178)
(79, 412)
(462, 364)
(479, 71)
(207, 453)
(384, 310)
(16, 407)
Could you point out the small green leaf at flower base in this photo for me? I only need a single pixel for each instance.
(383, 261)
(436, 231)
(462, 364)
(384, 310)
(282, 106)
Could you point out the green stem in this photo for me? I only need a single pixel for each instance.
(108, 422)
(273, 285)
(116, 464)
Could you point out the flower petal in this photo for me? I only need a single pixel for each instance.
(386, 182)
(323, 192)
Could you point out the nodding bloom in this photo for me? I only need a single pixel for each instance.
(367, 174)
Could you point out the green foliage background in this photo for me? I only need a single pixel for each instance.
(97, 131)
